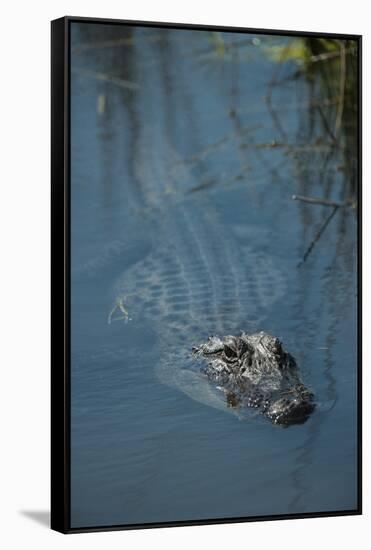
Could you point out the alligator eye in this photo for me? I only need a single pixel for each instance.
(229, 352)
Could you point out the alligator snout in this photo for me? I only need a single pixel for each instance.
(290, 410)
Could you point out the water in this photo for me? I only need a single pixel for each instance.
(182, 214)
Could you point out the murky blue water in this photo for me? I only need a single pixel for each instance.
(181, 175)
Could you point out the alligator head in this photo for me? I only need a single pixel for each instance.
(255, 371)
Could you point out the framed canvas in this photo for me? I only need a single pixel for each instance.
(206, 274)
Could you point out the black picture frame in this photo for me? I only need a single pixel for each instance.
(60, 275)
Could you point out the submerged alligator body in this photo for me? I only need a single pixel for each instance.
(255, 371)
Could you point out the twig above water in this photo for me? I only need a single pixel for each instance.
(324, 202)
(330, 55)
(318, 235)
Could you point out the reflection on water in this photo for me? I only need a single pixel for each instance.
(187, 147)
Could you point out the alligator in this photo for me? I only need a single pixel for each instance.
(205, 275)
(255, 371)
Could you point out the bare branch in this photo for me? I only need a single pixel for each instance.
(318, 235)
(324, 202)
